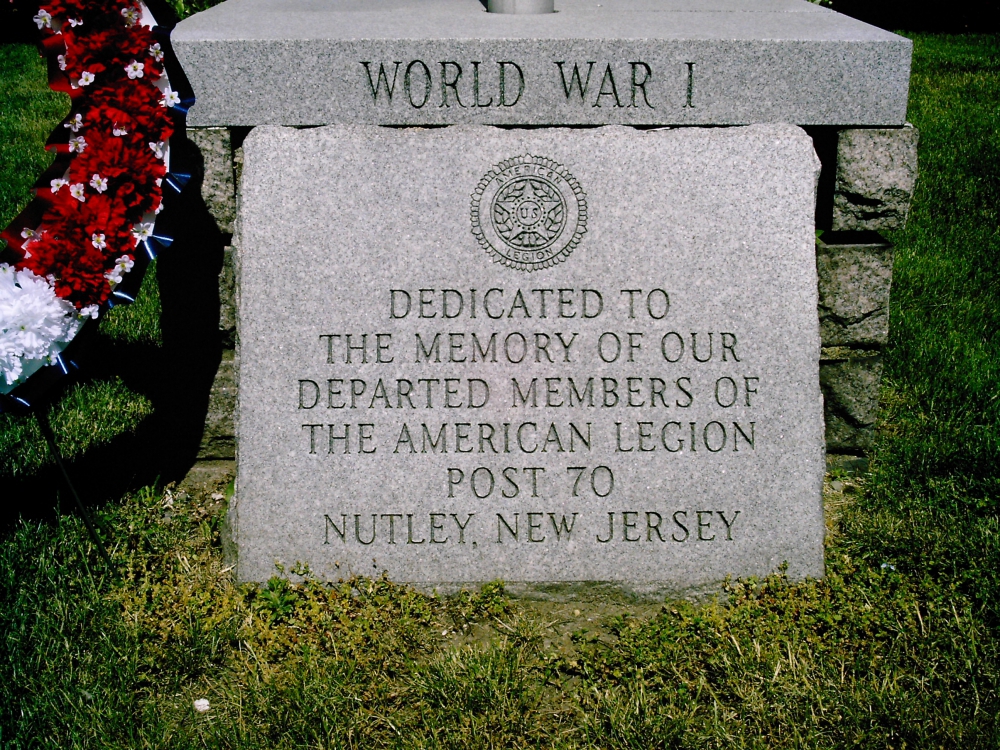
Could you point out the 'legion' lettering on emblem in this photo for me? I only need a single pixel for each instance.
(529, 212)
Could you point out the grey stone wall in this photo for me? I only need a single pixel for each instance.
(855, 277)
(876, 172)
(218, 188)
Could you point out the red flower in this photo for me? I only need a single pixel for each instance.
(113, 183)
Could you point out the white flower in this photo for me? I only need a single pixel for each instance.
(29, 235)
(77, 192)
(201, 705)
(131, 15)
(158, 148)
(77, 144)
(62, 61)
(142, 231)
(75, 122)
(170, 98)
(134, 69)
(90, 310)
(155, 52)
(100, 184)
(43, 19)
(119, 131)
(122, 266)
(74, 22)
(32, 320)
(97, 240)
(58, 183)
(86, 78)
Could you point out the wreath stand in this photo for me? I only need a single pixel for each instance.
(41, 414)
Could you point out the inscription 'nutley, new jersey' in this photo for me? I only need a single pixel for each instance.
(557, 360)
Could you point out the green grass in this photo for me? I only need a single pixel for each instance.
(897, 647)
(21, 443)
(29, 111)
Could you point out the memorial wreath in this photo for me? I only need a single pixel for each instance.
(82, 245)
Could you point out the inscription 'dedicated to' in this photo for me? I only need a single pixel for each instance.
(466, 347)
(475, 84)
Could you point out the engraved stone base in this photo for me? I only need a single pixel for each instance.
(652, 62)
(599, 366)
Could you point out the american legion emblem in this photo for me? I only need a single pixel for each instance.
(529, 212)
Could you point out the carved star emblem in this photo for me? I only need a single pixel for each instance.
(524, 209)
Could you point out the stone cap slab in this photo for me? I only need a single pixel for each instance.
(635, 62)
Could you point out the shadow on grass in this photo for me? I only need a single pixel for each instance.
(176, 377)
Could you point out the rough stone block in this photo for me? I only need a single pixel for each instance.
(851, 465)
(227, 299)
(217, 187)
(400, 377)
(876, 174)
(855, 276)
(218, 440)
(850, 379)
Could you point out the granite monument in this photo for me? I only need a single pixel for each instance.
(542, 299)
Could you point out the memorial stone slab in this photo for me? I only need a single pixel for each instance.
(637, 62)
(555, 357)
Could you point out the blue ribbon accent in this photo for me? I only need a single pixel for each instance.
(184, 105)
(18, 398)
(122, 295)
(177, 180)
(62, 365)
(150, 243)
